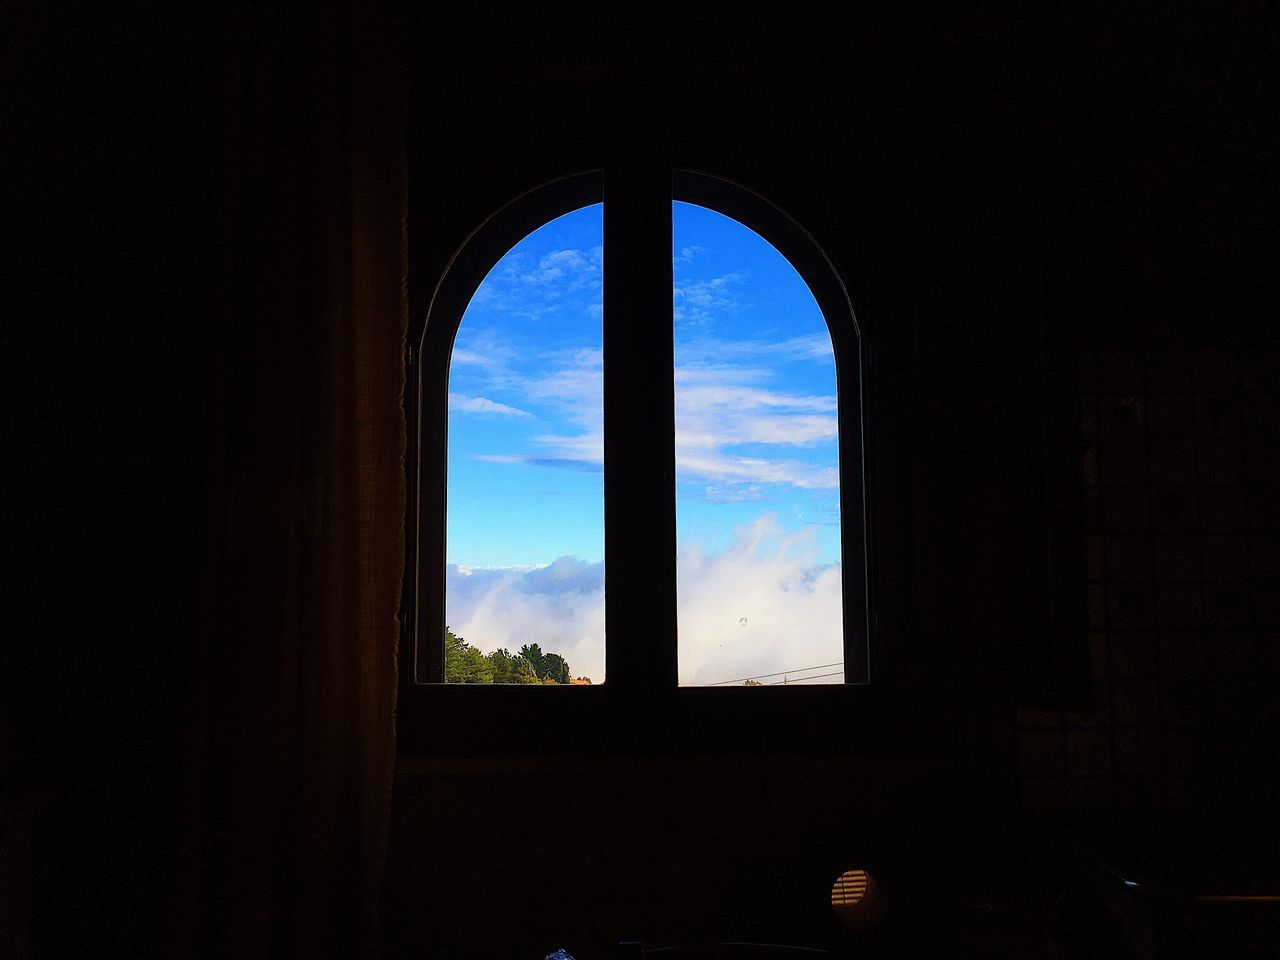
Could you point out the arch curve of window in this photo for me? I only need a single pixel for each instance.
(798, 246)
(430, 359)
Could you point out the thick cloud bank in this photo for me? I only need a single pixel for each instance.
(559, 606)
(763, 605)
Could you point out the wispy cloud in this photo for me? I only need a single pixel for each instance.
(740, 493)
(571, 389)
(698, 301)
(576, 389)
(532, 287)
(573, 377)
(717, 412)
(570, 269)
(460, 404)
(745, 418)
(707, 350)
(483, 349)
(718, 408)
(755, 470)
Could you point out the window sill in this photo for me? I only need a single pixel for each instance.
(459, 721)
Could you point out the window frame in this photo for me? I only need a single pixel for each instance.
(644, 710)
(802, 251)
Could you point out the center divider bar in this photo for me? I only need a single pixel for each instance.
(639, 403)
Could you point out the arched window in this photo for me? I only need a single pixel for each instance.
(479, 384)
(802, 434)
(524, 594)
(463, 377)
(757, 463)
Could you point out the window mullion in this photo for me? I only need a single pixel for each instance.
(639, 416)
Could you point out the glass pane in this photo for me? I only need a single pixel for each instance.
(757, 467)
(525, 581)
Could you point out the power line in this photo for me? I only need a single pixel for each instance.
(780, 673)
(775, 683)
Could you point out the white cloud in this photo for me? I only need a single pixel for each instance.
(724, 398)
(466, 569)
(583, 448)
(523, 285)
(579, 379)
(482, 347)
(705, 350)
(733, 493)
(559, 606)
(716, 410)
(756, 470)
(696, 301)
(568, 391)
(575, 389)
(736, 397)
(460, 404)
(761, 606)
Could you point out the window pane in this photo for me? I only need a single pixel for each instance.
(757, 467)
(525, 490)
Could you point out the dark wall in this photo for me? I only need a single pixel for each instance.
(110, 200)
(990, 183)
(1017, 204)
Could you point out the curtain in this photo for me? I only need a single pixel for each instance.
(292, 744)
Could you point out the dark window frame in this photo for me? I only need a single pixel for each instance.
(639, 707)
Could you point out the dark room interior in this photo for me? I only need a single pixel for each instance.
(233, 229)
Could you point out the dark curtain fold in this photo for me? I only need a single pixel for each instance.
(293, 733)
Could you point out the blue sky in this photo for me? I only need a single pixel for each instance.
(756, 453)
